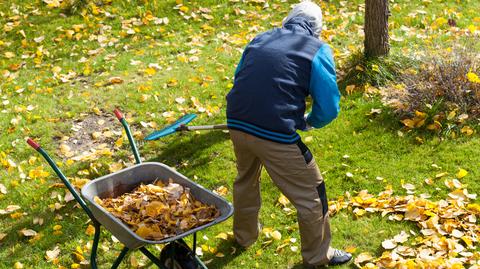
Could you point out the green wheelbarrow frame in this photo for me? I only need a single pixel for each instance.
(100, 217)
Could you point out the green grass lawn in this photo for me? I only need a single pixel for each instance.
(57, 70)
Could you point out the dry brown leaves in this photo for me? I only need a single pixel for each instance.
(157, 211)
(448, 235)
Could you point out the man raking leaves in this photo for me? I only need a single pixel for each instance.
(265, 108)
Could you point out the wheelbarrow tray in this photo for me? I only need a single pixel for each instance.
(126, 180)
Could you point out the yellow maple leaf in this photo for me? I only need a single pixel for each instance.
(115, 80)
(451, 115)
(474, 207)
(472, 77)
(439, 22)
(472, 28)
(461, 173)
(359, 212)
(276, 235)
(9, 54)
(283, 200)
(363, 257)
(150, 71)
(420, 114)
(90, 230)
(349, 89)
(351, 249)
(223, 236)
(409, 123)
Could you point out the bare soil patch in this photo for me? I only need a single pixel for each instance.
(93, 135)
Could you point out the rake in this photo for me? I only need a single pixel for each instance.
(181, 126)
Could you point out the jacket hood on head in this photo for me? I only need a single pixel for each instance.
(299, 24)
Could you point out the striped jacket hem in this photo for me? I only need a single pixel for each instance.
(262, 133)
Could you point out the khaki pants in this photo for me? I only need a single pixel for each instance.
(299, 181)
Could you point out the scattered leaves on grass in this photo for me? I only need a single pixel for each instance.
(276, 235)
(222, 191)
(51, 255)
(57, 229)
(115, 80)
(90, 230)
(28, 232)
(3, 189)
(222, 235)
(461, 173)
(9, 209)
(283, 200)
(448, 228)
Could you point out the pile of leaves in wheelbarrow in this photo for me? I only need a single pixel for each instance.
(157, 211)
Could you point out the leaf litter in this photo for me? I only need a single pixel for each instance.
(449, 232)
(157, 211)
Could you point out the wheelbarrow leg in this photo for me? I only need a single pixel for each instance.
(120, 258)
(193, 251)
(96, 239)
(194, 248)
(152, 257)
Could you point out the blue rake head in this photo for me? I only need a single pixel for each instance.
(171, 128)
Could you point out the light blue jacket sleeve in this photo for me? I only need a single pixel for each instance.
(323, 89)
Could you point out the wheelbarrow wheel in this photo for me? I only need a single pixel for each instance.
(177, 255)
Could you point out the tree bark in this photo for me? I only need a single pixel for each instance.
(376, 28)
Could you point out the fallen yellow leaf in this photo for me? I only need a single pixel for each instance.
(351, 249)
(276, 235)
(461, 173)
(150, 71)
(90, 230)
(223, 236)
(52, 254)
(28, 232)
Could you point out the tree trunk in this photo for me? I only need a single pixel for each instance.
(376, 28)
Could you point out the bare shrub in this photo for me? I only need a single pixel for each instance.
(443, 95)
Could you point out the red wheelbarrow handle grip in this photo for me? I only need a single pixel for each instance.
(118, 113)
(33, 144)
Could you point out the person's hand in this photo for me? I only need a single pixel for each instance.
(308, 127)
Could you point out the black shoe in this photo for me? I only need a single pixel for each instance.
(340, 257)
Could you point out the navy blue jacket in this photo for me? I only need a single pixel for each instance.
(277, 71)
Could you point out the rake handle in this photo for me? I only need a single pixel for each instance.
(202, 127)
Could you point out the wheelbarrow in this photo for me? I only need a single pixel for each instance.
(176, 254)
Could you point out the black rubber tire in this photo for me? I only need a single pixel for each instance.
(177, 255)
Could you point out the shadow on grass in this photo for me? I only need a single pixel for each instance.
(192, 150)
(226, 247)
